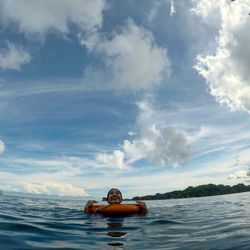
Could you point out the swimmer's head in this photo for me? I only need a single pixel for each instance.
(114, 196)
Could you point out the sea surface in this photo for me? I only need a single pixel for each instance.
(218, 222)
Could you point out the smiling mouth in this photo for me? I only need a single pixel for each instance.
(116, 198)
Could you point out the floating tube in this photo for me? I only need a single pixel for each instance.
(116, 209)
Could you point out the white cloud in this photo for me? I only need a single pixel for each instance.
(159, 5)
(13, 57)
(132, 56)
(52, 188)
(172, 8)
(42, 183)
(227, 70)
(240, 174)
(2, 147)
(207, 10)
(116, 159)
(34, 16)
(204, 132)
(162, 146)
(61, 167)
(153, 11)
(154, 142)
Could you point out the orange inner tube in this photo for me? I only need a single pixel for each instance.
(116, 209)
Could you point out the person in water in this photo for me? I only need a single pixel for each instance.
(114, 196)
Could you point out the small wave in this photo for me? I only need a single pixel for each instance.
(206, 224)
(23, 227)
(8, 217)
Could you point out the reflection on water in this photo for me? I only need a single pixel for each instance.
(116, 234)
(115, 226)
(116, 244)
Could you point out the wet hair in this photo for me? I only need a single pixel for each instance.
(112, 190)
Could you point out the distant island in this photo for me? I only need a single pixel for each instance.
(199, 191)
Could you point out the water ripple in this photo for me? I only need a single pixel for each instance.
(205, 223)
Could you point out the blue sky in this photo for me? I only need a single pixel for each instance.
(147, 96)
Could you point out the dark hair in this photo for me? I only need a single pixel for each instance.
(113, 189)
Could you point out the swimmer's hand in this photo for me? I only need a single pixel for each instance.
(89, 205)
(143, 206)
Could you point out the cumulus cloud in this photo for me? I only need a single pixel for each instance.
(13, 57)
(2, 147)
(51, 188)
(161, 146)
(154, 142)
(116, 159)
(132, 56)
(227, 70)
(240, 174)
(34, 16)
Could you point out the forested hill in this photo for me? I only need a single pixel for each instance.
(199, 191)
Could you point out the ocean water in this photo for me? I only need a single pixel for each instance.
(218, 222)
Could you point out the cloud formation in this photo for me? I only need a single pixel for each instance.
(154, 142)
(132, 57)
(159, 5)
(52, 188)
(116, 159)
(60, 167)
(34, 16)
(42, 183)
(240, 174)
(2, 147)
(172, 9)
(227, 70)
(207, 10)
(13, 57)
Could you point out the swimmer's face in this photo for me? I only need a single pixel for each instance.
(114, 196)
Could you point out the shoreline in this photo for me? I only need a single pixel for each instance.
(197, 192)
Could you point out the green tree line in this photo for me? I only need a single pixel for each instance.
(199, 191)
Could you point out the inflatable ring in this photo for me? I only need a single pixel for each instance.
(116, 209)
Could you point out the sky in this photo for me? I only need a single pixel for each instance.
(147, 96)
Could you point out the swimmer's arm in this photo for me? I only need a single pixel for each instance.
(143, 206)
(89, 205)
